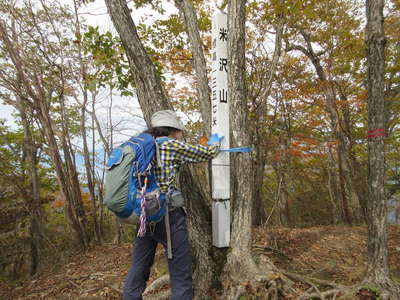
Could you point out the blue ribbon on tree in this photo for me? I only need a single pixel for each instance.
(239, 149)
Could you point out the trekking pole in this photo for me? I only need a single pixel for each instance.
(168, 230)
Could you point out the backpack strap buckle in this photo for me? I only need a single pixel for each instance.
(152, 227)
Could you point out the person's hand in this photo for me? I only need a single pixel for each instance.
(203, 140)
(215, 139)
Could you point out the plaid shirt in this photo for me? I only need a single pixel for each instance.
(174, 153)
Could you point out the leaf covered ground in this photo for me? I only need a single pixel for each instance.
(336, 253)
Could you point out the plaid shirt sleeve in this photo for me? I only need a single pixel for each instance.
(188, 153)
(173, 154)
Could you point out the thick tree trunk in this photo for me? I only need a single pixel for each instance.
(240, 266)
(377, 268)
(150, 91)
(199, 62)
(206, 258)
(240, 263)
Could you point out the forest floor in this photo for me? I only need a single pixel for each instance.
(336, 253)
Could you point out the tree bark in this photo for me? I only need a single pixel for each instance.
(240, 266)
(346, 211)
(206, 258)
(203, 90)
(332, 195)
(259, 214)
(239, 261)
(89, 171)
(284, 212)
(377, 265)
(34, 201)
(284, 167)
(149, 88)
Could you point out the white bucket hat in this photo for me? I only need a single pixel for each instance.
(166, 118)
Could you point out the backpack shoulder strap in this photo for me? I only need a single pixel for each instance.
(159, 141)
(147, 145)
(162, 139)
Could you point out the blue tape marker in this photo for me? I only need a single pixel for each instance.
(240, 149)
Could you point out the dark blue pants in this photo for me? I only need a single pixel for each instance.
(180, 266)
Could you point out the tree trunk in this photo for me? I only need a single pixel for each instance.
(334, 188)
(89, 167)
(150, 91)
(240, 262)
(332, 196)
(240, 266)
(377, 268)
(66, 177)
(203, 90)
(283, 208)
(343, 196)
(285, 172)
(281, 205)
(206, 258)
(259, 213)
(89, 170)
(34, 202)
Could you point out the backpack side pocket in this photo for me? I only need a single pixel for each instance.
(176, 199)
(117, 178)
(153, 204)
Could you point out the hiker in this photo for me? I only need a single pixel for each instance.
(173, 152)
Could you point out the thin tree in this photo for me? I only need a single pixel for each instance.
(82, 81)
(38, 94)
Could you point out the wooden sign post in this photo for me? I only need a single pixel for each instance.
(220, 124)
